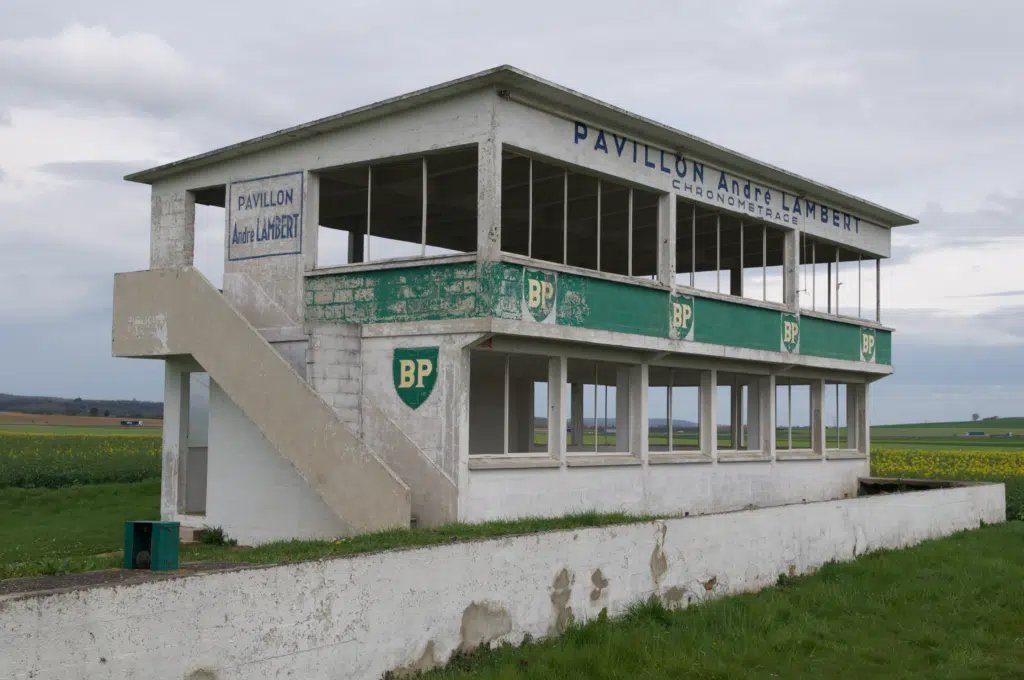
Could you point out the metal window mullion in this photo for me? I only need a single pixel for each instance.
(838, 284)
(741, 264)
(878, 290)
(764, 262)
(629, 265)
(814, 277)
(596, 368)
(598, 225)
(423, 236)
(369, 205)
(718, 253)
(693, 248)
(565, 219)
(529, 218)
(508, 360)
(668, 410)
(789, 411)
(859, 279)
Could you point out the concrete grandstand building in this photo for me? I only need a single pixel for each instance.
(498, 297)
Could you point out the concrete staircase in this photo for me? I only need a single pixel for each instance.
(169, 313)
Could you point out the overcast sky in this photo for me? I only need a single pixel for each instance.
(917, 106)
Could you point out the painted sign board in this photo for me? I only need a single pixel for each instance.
(415, 372)
(867, 345)
(790, 334)
(681, 316)
(265, 216)
(725, 190)
(539, 294)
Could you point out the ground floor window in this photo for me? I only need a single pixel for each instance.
(508, 403)
(739, 406)
(597, 406)
(793, 414)
(673, 409)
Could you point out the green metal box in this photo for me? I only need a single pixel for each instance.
(151, 545)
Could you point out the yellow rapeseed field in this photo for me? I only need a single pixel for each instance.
(961, 465)
(54, 460)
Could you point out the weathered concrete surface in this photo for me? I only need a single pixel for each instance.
(363, 616)
(694, 488)
(434, 494)
(164, 313)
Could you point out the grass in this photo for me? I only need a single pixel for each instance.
(46, 531)
(55, 530)
(49, 460)
(945, 609)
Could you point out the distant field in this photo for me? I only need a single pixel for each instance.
(60, 424)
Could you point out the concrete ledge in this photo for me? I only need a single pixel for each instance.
(796, 454)
(742, 457)
(672, 457)
(512, 462)
(845, 455)
(598, 460)
(364, 615)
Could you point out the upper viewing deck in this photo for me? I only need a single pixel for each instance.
(507, 199)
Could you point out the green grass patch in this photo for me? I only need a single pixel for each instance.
(55, 460)
(945, 609)
(45, 531)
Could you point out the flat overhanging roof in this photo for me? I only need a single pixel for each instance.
(519, 82)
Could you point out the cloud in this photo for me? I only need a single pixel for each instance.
(103, 171)
(1002, 293)
(2, 174)
(134, 72)
(5, 118)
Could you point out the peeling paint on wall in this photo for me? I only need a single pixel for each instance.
(510, 291)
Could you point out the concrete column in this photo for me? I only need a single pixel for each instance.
(172, 236)
(766, 403)
(639, 421)
(624, 379)
(852, 415)
(791, 270)
(667, 239)
(818, 416)
(175, 439)
(311, 221)
(863, 424)
(488, 199)
(736, 282)
(708, 413)
(556, 406)
(576, 417)
(754, 435)
(520, 414)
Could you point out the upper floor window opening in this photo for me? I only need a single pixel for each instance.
(552, 213)
(399, 208)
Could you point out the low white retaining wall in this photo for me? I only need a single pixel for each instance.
(359, 617)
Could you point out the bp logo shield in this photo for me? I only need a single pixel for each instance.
(539, 293)
(415, 372)
(790, 333)
(867, 345)
(681, 317)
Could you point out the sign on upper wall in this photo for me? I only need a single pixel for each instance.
(265, 217)
(720, 188)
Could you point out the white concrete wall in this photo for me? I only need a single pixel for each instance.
(334, 370)
(695, 488)
(360, 617)
(253, 492)
(439, 422)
